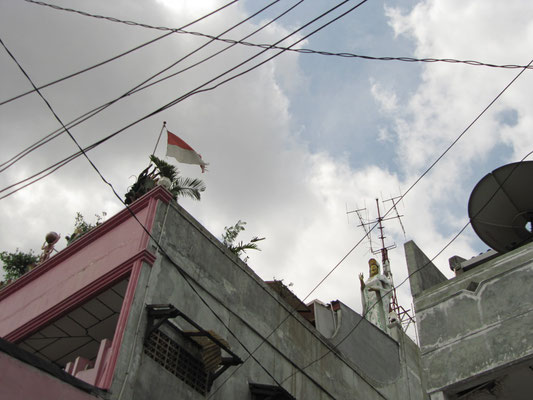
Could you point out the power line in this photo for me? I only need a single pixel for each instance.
(222, 50)
(199, 88)
(269, 46)
(82, 150)
(182, 273)
(500, 187)
(417, 180)
(430, 166)
(96, 110)
(87, 69)
(376, 224)
(408, 190)
(140, 86)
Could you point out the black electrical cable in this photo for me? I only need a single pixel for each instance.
(220, 51)
(409, 189)
(182, 273)
(439, 159)
(268, 46)
(239, 75)
(197, 90)
(138, 87)
(375, 225)
(500, 187)
(96, 110)
(87, 69)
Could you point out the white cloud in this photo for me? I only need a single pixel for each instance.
(386, 99)
(260, 170)
(448, 99)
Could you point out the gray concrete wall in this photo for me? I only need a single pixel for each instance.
(391, 363)
(251, 310)
(477, 322)
(423, 274)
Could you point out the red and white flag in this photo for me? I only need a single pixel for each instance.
(182, 152)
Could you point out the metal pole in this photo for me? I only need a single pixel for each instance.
(159, 137)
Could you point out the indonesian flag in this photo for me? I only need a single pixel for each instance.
(182, 152)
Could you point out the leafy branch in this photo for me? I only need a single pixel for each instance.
(81, 227)
(17, 263)
(160, 170)
(230, 236)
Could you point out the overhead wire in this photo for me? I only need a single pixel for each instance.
(87, 68)
(376, 224)
(421, 178)
(232, 42)
(199, 88)
(297, 50)
(84, 153)
(401, 198)
(389, 210)
(91, 113)
(98, 109)
(161, 249)
(433, 164)
(459, 233)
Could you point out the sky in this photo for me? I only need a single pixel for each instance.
(293, 144)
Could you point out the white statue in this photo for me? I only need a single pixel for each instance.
(376, 293)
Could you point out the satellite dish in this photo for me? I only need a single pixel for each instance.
(501, 207)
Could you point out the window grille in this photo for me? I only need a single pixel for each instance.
(196, 358)
(179, 362)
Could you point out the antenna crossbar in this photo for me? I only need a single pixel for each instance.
(404, 316)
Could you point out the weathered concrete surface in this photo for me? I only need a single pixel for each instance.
(252, 311)
(375, 354)
(423, 273)
(477, 322)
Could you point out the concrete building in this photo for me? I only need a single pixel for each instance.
(475, 330)
(170, 313)
(190, 320)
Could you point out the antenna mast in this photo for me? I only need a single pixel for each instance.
(404, 316)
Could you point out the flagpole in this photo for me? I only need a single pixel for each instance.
(159, 137)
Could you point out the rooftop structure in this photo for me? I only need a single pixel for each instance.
(149, 304)
(475, 329)
(145, 314)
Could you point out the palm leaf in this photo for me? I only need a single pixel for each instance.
(188, 187)
(165, 169)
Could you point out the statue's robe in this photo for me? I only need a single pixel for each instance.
(376, 299)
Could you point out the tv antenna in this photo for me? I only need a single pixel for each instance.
(404, 316)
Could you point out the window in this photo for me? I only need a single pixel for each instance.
(178, 361)
(196, 356)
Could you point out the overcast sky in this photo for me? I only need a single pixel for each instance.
(293, 144)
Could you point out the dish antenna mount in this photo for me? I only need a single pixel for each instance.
(500, 207)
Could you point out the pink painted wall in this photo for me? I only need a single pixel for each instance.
(105, 253)
(22, 381)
